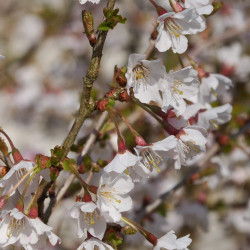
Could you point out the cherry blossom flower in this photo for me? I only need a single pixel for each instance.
(202, 6)
(191, 142)
(94, 244)
(89, 218)
(16, 173)
(112, 195)
(153, 154)
(212, 87)
(18, 230)
(143, 75)
(130, 164)
(92, 1)
(179, 85)
(174, 26)
(212, 118)
(122, 161)
(170, 242)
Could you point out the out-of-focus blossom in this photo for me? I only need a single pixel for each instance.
(85, 1)
(170, 242)
(93, 243)
(212, 118)
(203, 7)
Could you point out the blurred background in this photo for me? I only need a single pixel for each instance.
(46, 56)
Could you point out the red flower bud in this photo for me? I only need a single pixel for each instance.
(88, 23)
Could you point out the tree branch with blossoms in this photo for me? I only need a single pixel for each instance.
(113, 196)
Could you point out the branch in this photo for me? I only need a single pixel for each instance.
(92, 73)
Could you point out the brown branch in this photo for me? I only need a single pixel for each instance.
(92, 73)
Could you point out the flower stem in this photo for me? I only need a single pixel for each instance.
(148, 110)
(27, 185)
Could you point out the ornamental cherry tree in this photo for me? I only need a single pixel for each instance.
(108, 207)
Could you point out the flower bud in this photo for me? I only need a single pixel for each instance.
(140, 141)
(33, 213)
(88, 23)
(154, 34)
(120, 77)
(102, 104)
(123, 96)
(81, 169)
(15, 152)
(3, 171)
(20, 205)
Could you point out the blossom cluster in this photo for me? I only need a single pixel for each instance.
(182, 101)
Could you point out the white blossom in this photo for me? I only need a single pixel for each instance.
(203, 7)
(212, 118)
(177, 86)
(89, 218)
(174, 26)
(17, 230)
(191, 142)
(16, 173)
(112, 195)
(170, 242)
(153, 154)
(92, 1)
(94, 244)
(130, 164)
(143, 75)
(213, 87)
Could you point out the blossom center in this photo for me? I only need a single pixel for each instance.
(141, 74)
(89, 218)
(175, 88)
(190, 147)
(21, 172)
(150, 159)
(15, 227)
(109, 195)
(173, 27)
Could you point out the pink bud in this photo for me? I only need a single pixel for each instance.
(140, 141)
(33, 213)
(121, 145)
(20, 205)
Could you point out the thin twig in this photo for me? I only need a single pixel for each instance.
(85, 150)
(85, 108)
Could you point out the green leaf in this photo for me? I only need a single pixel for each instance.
(69, 165)
(56, 155)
